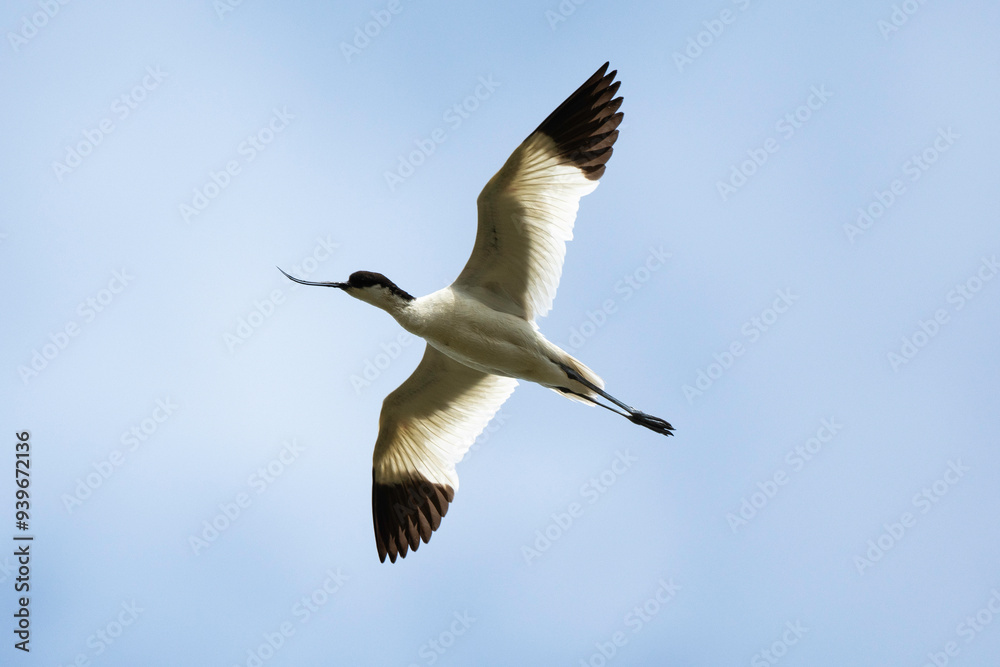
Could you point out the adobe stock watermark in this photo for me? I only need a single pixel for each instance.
(563, 11)
(453, 118)
(592, 490)
(109, 634)
(796, 459)
(32, 23)
(958, 296)
(786, 126)
(230, 511)
(365, 33)
(925, 500)
(752, 331)
(303, 610)
(7, 568)
(121, 108)
(703, 39)
(88, 310)
(778, 649)
(497, 423)
(900, 16)
(629, 284)
(136, 436)
(432, 650)
(263, 309)
(247, 150)
(968, 629)
(375, 365)
(913, 169)
(635, 620)
(223, 7)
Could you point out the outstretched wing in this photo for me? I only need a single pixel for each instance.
(426, 426)
(527, 210)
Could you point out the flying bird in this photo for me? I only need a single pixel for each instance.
(480, 330)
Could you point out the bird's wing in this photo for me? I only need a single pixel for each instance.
(426, 426)
(527, 210)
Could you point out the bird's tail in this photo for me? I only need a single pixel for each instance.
(590, 376)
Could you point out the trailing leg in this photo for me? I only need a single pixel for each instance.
(661, 426)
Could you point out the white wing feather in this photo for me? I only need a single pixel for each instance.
(426, 426)
(527, 210)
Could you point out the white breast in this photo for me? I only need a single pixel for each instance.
(480, 337)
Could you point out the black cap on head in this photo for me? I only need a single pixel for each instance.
(361, 279)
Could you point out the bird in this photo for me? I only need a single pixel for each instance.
(480, 331)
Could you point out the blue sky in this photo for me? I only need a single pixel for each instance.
(792, 257)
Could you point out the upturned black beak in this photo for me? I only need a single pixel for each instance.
(307, 282)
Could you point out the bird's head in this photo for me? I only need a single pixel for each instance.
(368, 286)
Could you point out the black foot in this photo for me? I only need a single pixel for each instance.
(652, 423)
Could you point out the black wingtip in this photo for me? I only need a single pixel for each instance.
(584, 126)
(407, 513)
